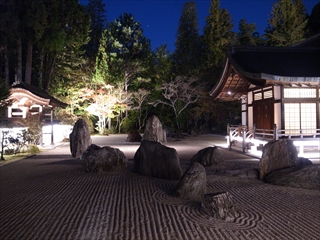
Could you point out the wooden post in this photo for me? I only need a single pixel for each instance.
(51, 119)
(243, 131)
(275, 132)
(229, 136)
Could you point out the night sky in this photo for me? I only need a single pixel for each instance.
(160, 18)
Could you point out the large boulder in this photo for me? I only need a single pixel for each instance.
(208, 157)
(134, 136)
(156, 160)
(276, 155)
(97, 159)
(307, 177)
(80, 138)
(219, 205)
(154, 130)
(192, 185)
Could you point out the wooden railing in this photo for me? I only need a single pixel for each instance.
(246, 135)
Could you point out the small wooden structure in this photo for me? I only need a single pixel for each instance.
(279, 90)
(27, 100)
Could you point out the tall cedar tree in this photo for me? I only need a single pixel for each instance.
(69, 73)
(9, 23)
(188, 47)
(313, 26)
(34, 33)
(287, 23)
(122, 53)
(67, 30)
(248, 34)
(96, 10)
(217, 36)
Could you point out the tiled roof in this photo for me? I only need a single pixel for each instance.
(40, 93)
(248, 66)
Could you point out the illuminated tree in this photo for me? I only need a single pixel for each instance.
(122, 52)
(103, 103)
(139, 98)
(179, 94)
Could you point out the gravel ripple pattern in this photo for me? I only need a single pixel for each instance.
(52, 197)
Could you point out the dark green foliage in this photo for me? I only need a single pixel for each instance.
(97, 12)
(4, 95)
(313, 26)
(187, 56)
(122, 52)
(287, 23)
(217, 34)
(248, 34)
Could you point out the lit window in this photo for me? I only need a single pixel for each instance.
(300, 116)
(257, 96)
(300, 93)
(267, 94)
(308, 117)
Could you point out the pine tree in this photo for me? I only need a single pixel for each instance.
(188, 47)
(287, 23)
(217, 35)
(247, 34)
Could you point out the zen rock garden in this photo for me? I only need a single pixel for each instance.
(279, 165)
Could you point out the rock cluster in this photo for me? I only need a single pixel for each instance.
(156, 160)
(219, 205)
(208, 157)
(154, 130)
(80, 138)
(97, 159)
(277, 155)
(192, 185)
(134, 136)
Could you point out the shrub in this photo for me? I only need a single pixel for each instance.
(33, 149)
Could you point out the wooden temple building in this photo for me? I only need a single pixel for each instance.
(30, 100)
(279, 90)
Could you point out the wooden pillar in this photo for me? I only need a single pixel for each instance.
(243, 133)
(51, 119)
(229, 136)
(275, 132)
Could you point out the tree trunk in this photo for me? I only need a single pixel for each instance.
(6, 67)
(27, 78)
(19, 61)
(41, 69)
(48, 70)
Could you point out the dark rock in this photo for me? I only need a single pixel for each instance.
(208, 157)
(134, 136)
(154, 131)
(156, 160)
(219, 205)
(304, 161)
(277, 155)
(192, 185)
(307, 177)
(97, 159)
(80, 138)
